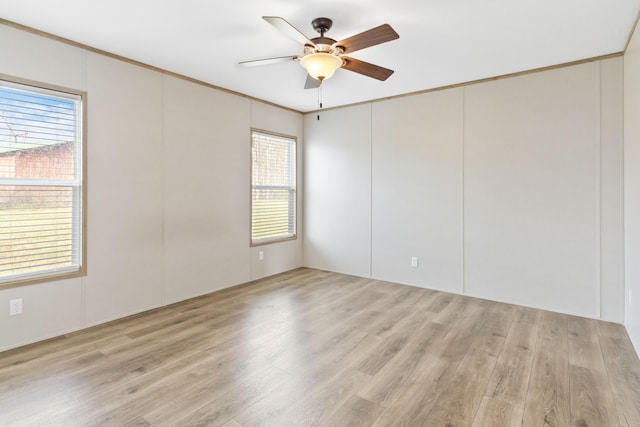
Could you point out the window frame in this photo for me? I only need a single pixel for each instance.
(82, 268)
(294, 140)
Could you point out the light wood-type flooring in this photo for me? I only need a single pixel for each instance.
(310, 347)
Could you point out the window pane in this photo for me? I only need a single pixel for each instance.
(36, 229)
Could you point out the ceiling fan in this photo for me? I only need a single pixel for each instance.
(323, 55)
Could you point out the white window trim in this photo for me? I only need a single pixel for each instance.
(80, 184)
(293, 177)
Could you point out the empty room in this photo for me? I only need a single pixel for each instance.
(357, 213)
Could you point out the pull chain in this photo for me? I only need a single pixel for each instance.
(319, 99)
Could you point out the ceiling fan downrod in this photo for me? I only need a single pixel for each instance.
(322, 25)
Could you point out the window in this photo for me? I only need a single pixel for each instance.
(41, 183)
(273, 187)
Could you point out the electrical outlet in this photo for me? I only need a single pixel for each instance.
(414, 261)
(260, 255)
(15, 307)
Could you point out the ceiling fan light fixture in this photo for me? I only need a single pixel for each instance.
(321, 66)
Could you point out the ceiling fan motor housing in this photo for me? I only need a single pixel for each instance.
(322, 43)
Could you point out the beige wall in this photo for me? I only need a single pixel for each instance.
(337, 205)
(533, 190)
(416, 190)
(632, 187)
(124, 196)
(168, 190)
(507, 190)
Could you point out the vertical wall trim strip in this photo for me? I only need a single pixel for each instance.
(371, 190)
(462, 194)
(163, 186)
(599, 198)
(250, 192)
(85, 202)
(623, 274)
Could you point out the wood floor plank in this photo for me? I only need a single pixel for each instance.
(612, 330)
(131, 409)
(320, 401)
(320, 350)
(311, 347)
(382, 325)
(34, 406)
(267, 410)
(441, 301)
(461, 398)
(456, 308)
(20, 379)
(228, 405)
(53, 354)
(418, 396)
(624, 376)
(510, 377)
(548, 397)
(526, 315)
(591, 402)
(584, 345)
(137, 422)
(355, 412)
(122, 391)
(96, 392)
(493, 333)
(385, 351)
(211, 377)
(212, 405)
(414, 321)
(393, 378)
(495, 412)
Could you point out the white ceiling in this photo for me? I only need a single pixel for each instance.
(442, 42)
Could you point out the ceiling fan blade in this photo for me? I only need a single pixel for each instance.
(372, 37)
(365, 68)
(312, 83)
(268, 61)
(288, 30)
